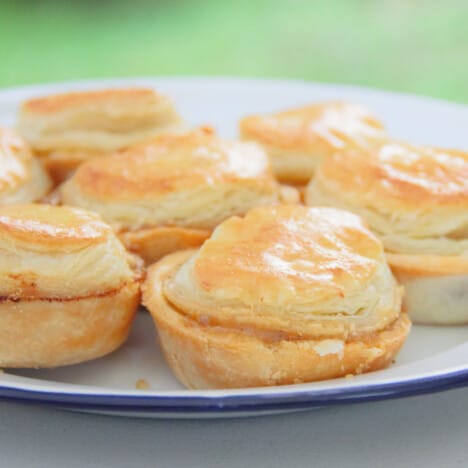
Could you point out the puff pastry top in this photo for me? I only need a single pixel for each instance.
(103, 120)
(22, 179)
(193, 180)
(318, 129)
(58, 252)
(289, 269)
(415, 198)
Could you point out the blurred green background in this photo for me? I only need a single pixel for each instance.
(418, 46)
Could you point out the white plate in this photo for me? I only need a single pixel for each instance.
(433, 359)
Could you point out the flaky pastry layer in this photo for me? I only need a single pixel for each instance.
(102, 120)
(310, 272)
(298, 140)
(414, 198)
(194, 180)
(58, 252)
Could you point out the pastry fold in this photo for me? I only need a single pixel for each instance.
(286, 294)
(416, 200)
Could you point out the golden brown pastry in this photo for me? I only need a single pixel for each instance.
(68, 289)
(67, 129)
(287, 294)
(170, 193)
(416, 199)
(298, 140)
(22, 178)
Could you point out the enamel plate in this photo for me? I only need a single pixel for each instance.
(433, 359)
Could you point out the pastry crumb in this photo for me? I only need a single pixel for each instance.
(349, 376)
(142, 384)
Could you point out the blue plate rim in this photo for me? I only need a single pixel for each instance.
(294, 399)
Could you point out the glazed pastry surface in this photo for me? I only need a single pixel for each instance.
(292, 269)
(298, 140)
(193, 180)
(58, 252)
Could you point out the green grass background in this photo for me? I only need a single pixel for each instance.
(418, 46)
